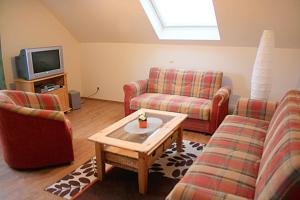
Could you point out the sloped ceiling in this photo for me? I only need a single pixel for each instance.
(241, 22)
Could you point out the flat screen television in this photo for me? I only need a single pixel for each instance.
(33, 63)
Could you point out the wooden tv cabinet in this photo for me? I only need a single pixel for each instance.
(35, 85)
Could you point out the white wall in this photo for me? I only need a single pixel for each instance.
(26, 24)
(110, 65)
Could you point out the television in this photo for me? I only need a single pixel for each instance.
(33, 63)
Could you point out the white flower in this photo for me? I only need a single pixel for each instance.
(143, 116)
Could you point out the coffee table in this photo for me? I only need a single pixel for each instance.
(137, 151)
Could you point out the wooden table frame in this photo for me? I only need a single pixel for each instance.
(135, 156)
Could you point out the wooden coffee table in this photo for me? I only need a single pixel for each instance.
(137, 152)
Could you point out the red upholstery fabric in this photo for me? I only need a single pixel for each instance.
(279, 172)
(196, 108)
(228, 166)
(33, 138)
(30, 100)
(132, 90)
(249, 158)
(255, 108)
(204, 85)
(184, 82)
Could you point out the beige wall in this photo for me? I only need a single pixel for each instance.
(26, 24)
(110, 65)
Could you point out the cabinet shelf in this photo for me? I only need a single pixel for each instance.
(36, 84)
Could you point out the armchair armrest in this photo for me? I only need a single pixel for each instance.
(46, 114)
(219, 107)
(131, 90)
(257, 109)
(39, 113)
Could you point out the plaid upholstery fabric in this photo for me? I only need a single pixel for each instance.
(30, 100)
(224, 92)
(184, 82)
(196, 108)
(279, 172)
(255, 108)
(135, 88)
(27, 103)
(228, 166)
(188, 192)
(47, 114)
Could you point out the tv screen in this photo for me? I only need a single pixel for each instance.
(43, 61)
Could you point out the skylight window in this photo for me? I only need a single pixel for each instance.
(182, 19)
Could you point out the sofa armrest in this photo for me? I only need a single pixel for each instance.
(136, 88)
(131, 90)
(257, 109)
(222, 95)
(219, 108)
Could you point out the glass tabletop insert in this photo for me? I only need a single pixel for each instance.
(132, 133)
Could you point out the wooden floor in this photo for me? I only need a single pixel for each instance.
(91, 118)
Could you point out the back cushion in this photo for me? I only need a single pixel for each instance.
(279, 171)
(29, 99)
(184, 82)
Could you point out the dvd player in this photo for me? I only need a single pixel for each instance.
(48, 88)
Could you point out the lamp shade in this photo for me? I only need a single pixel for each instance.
(262, 75)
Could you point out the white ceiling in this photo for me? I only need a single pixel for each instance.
(241, 22)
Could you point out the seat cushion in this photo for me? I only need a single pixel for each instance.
(196, 108)
(181, 82)
(229, 164)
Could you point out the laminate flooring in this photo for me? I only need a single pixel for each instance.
(93, 116)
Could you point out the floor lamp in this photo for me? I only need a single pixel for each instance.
(262, 75)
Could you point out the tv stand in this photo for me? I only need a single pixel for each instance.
(36, 84)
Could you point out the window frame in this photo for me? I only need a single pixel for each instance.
(177, 32)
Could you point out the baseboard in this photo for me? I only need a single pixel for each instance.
(111, 101)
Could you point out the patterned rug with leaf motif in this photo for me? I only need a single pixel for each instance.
(122, 184)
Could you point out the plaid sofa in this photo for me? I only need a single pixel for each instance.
(197, 94)
(34, 132)
(254, 154)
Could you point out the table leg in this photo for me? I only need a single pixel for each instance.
(179, 140)
(143, 173)
(100, 161)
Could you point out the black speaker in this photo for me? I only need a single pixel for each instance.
(74, 99)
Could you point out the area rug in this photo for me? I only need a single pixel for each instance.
(122, 184)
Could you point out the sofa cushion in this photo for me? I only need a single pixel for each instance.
(196, 108)
(184, 82)
(279, 172)
(228, 166)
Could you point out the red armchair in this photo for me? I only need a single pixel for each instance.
(198, 94)
(34, 132)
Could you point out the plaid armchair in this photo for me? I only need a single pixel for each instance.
(33, 131)
(198, 94)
